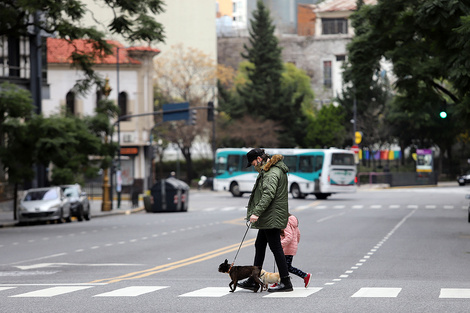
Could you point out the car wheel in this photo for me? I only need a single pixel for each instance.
(87, 215)
(235, 190)
(461, 184)
(80, 213)
(295, 191)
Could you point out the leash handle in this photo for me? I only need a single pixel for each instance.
(248, 224)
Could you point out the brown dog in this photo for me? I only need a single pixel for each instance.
(237, 273)
(269, 278)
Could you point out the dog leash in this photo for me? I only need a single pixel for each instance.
(248, 224)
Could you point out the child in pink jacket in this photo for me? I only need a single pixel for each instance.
(290, 237)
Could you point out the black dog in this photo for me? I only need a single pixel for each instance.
(237, 273)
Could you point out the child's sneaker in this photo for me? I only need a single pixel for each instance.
(273, 285)
(307, 279)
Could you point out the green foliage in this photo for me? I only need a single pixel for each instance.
(16, 142)
(262, 93)
(131, 19)
(268, 90)
(327, 130)
(427, 43)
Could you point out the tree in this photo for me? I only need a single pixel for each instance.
(64, 19)
(185, 75)
(262, 93)
(326, 129)
(269, 90)
(427, 44)
(16, 141)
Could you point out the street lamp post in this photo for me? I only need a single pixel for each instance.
(118, 178)
(106, 204)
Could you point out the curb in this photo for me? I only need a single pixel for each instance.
(106, 213)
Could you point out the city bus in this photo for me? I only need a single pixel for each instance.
(321, 172)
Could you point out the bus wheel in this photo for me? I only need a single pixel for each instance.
(295, 191)
(235, 190)
(322, 196)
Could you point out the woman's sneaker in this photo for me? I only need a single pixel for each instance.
(307, 280)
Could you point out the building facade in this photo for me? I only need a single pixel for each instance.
(319, 48)
(130, 73)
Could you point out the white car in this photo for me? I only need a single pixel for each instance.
(44, 204)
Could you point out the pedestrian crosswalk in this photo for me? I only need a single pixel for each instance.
(353, 207)
(216, 292)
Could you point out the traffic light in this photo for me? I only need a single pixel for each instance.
(210, 111)
(443, 111)
(192, 117)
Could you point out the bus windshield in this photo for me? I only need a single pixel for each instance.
(342, 159)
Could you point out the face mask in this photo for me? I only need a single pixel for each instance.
(260, 166)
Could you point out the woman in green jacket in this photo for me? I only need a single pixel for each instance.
(268, 212)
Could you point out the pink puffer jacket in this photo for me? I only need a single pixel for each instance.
(291, 237)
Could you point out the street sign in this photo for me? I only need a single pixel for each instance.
(176, 111)
(358, 137)
(355, 149)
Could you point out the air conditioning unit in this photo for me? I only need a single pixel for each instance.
(127, 138)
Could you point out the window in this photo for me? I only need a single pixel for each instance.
(70, 103)
(233, 163)
(333, 26)
(342, 159)
(291, 162)
(327, 74)
(306, 164)
(99, 97)
(318, 163)
(122, 104)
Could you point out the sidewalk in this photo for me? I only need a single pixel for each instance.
(6, 215)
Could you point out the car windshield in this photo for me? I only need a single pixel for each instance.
(36, 195)
(71, 192)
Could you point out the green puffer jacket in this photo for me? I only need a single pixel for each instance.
(268, 198)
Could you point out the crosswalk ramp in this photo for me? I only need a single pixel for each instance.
(215, 292)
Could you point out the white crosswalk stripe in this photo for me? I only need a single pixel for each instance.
(217, 292)
(51, 292)
(132, 291)
(454, 293)
(377, 293)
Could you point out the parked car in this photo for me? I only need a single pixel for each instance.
(464, 179)
(44, 204)
(79, 204)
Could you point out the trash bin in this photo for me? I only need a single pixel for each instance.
(170, 195)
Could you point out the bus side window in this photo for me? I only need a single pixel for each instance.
(318, 163)
(306, 164)
(291, 161)
(233, 163)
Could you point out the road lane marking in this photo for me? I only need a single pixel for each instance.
(41, 258)
(209, 292)
(455, 293)
(296, 293)
(51, 292)
(177, 264)
(377, 293)
(43, 265)
(329, 217)
(132, 291)
(6, 288)
(377, 246)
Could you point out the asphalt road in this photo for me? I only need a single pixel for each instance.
(396, 250)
